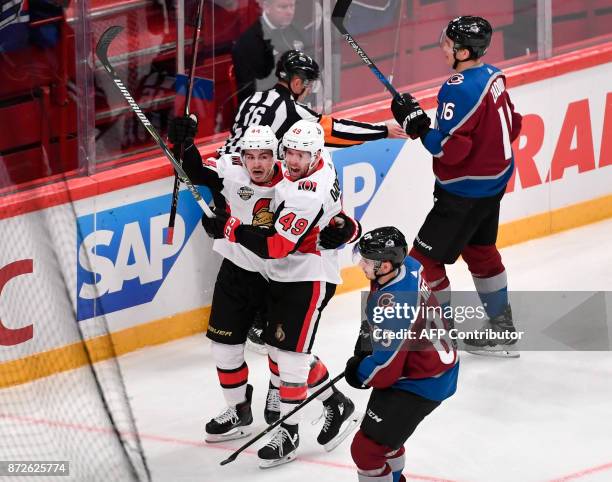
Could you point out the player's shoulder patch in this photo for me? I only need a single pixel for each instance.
(385, 299)
(307, 185)
(455, 79)
(462, 91)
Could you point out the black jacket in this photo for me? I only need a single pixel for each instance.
(254, 60)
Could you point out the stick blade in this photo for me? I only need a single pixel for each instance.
(105, 40)
(231, 458)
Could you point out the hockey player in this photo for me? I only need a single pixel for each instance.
(243, 184)
(303, 279)
(281, 107)
(410, 376)
(472, 162)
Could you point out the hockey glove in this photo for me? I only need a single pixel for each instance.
(214, 227)
(363, 345)
(350, 373)
(409, 114)
(182, 130)
(229, 230)
(340, 230)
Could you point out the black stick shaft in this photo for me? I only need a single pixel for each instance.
(177, 181)
(338, 15)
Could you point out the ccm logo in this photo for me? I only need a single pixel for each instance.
(10, 336)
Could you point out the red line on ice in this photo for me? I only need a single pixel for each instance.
(582, 473)
(192, 443)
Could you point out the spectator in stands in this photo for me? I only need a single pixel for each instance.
(255, 53)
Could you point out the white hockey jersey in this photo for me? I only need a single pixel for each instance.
(250, 202)
(303, 208)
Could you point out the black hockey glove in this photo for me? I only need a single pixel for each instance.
(350, 373)
(363, 345)
(182, 130)
(214, 226)
(340, 230)
(410, 116)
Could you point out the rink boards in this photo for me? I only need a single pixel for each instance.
(100, 259)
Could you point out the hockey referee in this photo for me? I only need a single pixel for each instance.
(280, 107)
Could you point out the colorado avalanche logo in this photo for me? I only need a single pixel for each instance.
(455, 79)
(307, 185)
(262, 216)
(386, 300)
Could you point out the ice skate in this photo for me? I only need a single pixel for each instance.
(232, 423)
(340, 421)
(281, 448)
(254, 341)
(272, 409)
(501, 324)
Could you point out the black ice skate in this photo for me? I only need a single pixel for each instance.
(272, 410)
(498, 335)
(339, 421)
(254, 338)
(281, 448)
(231, 423)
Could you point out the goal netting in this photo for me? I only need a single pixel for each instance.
(63, 396)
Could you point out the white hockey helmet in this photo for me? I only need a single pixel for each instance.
(305, 136)
(259, 137)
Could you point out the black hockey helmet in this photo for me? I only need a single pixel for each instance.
(295, 62)
(469, 32)
(384, 244)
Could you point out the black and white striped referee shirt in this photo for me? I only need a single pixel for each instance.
(278, 109)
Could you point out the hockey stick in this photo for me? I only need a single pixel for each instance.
(338, 15)
(102, 53)
(177, 180)
(232, 457)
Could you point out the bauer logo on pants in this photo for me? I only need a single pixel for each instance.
(122, 258)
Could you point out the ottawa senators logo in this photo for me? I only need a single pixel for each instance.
(262, 216)
(307, 185)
